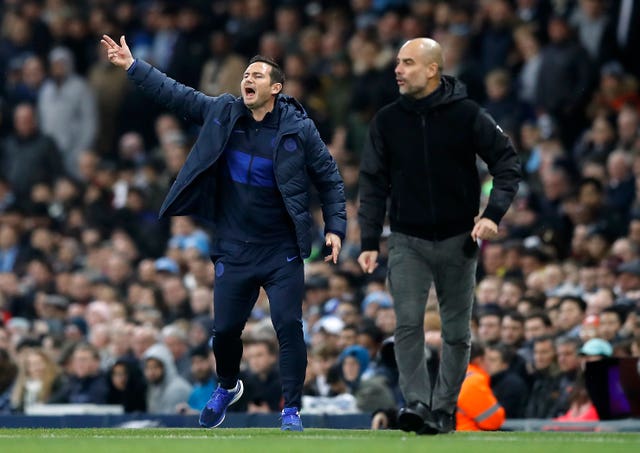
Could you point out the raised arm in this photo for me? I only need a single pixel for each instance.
(184, 101)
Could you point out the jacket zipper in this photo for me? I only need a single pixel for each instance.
(432, 207)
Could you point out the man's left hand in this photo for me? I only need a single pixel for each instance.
(484, 229)
(333, 240)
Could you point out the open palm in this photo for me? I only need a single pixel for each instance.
(119, 55)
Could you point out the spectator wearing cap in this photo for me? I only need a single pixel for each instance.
(326, 331)
(594, 350)
(67, 109)
(374, 301)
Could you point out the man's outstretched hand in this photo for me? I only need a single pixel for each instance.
(119, 55)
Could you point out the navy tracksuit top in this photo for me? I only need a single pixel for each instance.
(250, 206)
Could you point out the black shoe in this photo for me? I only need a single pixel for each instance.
(429, 427)
(412, 417)
(446, 423)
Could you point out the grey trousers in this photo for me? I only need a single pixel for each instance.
(414, 264)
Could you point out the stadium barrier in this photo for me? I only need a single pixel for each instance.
(244, 420)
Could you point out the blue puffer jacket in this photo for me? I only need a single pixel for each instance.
(301, 158)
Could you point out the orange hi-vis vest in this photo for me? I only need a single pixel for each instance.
(478, 409)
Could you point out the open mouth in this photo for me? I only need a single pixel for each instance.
(249, 92)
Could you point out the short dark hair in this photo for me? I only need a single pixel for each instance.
(582, 305)
(515, 316)
(506, 353)
(539, 315)
(277, 74)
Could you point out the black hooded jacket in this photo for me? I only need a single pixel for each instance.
(422, 153)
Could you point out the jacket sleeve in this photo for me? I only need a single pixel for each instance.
(180, 99)
(496, 149)
(324, 175)
(477, 401)
(374, 188)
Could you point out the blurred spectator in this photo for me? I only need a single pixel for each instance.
(165, 388)
(28, 157)
(263, 390)
(8, 373)
(544, 381)
(127, 386)
(66, 108)
(623, 32)
(564, 79)
(86, 383)
(477, 408)
(38, 381)
(222, 72)
(204, 379)
(509, 388)
(175, 339)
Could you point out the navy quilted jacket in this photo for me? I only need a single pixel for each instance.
(301, 158)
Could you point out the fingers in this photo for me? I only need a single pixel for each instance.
(123, 43)
(110, 42)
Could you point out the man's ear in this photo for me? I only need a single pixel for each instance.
(276, 88)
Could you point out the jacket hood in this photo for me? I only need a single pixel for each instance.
(286, 100)
(450, 90)
(161, 353)
(359, 353)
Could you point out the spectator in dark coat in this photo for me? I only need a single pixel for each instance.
(28, 157)
(127, 386)
(564, 80)
(545, 381)
(87, 384)
(509, 388)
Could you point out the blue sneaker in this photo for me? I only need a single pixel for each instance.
(213, 413)
(291, 419)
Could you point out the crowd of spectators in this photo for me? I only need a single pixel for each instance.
(102, 303)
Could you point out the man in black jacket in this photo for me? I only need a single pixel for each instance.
(421, 151)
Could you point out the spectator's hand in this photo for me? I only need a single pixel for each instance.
(333, 240)
(119, 55)
(380, 421)
(484, 229)
(368, 261)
